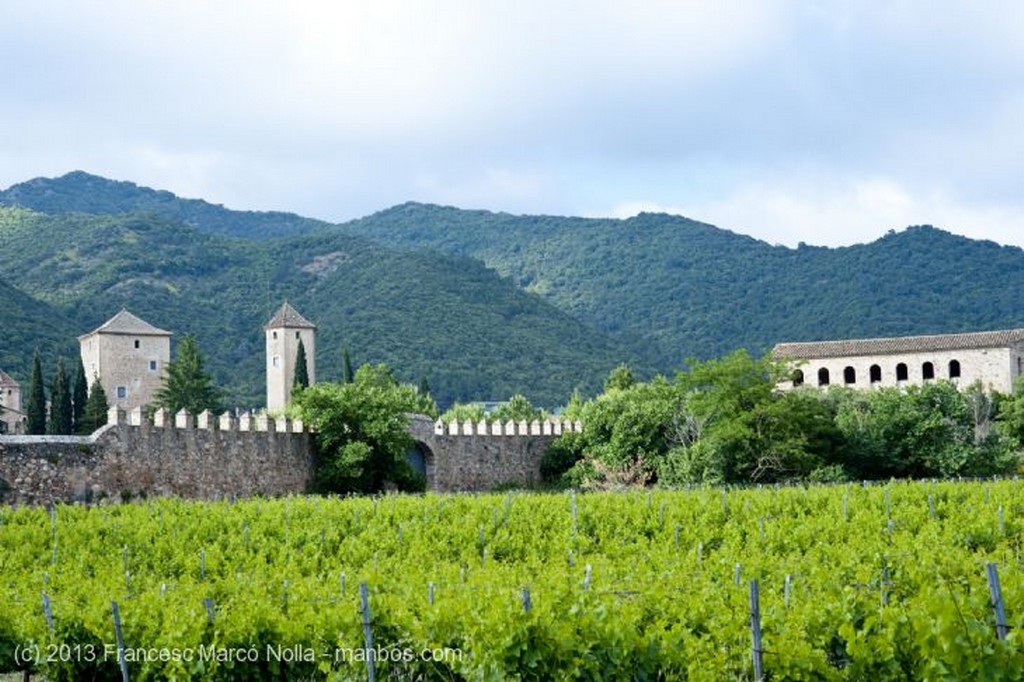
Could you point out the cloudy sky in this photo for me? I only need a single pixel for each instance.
(824, 122)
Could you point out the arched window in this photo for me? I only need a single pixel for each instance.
(850, 375)
(875, 374)
(823, 377)
(954, 369)
(927, 371)
(901, 372)
(798, 377)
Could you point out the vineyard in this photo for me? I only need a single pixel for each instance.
(820, 583)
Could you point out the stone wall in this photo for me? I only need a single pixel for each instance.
(479, 456)
(242, 458)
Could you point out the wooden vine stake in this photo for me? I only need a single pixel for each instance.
(995, 591)
(371, 663)
(755, 630)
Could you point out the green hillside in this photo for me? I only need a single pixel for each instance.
(674, 287)
(26, 323)
(447, 319)
(80, 192)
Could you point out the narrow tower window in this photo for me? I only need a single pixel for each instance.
(850, 375)
(927, 371)
(954, 369)
(901, 372)
(823, 377)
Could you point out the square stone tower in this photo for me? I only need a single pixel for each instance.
(12, 419)
(128, 355)
(284, 331)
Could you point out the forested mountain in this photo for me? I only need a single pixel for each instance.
(79, 192)
(674, 287)
(444, 318)
(481, 304)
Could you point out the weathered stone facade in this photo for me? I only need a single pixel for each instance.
(283, 332)
(130, 460)
(993, 359)
(12, 418)
(128, 356)
(484, 455)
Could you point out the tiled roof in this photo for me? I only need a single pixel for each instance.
(126, 323)
(899, 344)
(7, 380)
(287, 316)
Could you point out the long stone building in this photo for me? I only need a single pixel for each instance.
(994, 359)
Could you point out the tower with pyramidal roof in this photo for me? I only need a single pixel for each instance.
(128, 356)
(284, 331)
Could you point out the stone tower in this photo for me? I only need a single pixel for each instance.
(12, 419)
(284, 331)
(128, 355)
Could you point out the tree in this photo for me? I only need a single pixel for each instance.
(186, 384)
(95, 414)
(620, 378)
(60, 420)
(79, 397)
(361, 431)
(301, 369)
(517, 408)
(36, 408)
(346, 367)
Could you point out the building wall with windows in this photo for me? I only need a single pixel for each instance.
(12, 419)
(993, 359)
(128, 356)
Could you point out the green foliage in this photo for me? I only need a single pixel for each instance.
(464, 412)
(60, 421)
(96, 408)
(517, 408)
(79, 396)
(621, 378)
(186, 385)
(361, 431)
(301, 379)
(347, 375)
(36, 408)
(857, 583)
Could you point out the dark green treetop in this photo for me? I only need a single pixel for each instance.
(36, 409)
(186, 383)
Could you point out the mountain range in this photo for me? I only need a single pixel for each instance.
(479, 304)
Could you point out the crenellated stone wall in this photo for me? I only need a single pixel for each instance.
(479, 456)
(209, 456)
(132, 457)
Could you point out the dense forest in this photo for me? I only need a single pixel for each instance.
(481, 305)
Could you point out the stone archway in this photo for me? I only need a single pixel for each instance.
(421, 459)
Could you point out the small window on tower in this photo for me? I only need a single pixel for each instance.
(136, 343)
(273, 335)
(122, 391)
(152, 365)
(296, 335)
(276, 361)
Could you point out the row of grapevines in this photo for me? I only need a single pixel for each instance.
(855, 582)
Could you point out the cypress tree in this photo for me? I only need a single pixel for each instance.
(301, 369)
(347, 376)
(60, 403)
(186, 383)
(96, 406)
(79, 397)
(36, 408)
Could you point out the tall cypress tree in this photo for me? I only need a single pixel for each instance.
(79, 397)
(301, 369)
(347, 375)
(60, 403)
(36, 408)
(186, 383)
(96, 406)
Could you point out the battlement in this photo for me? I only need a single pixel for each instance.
(549, 427)
(206, 421)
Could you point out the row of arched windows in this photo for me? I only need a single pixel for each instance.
(875, 373)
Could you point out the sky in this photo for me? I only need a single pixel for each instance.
(829, 123)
